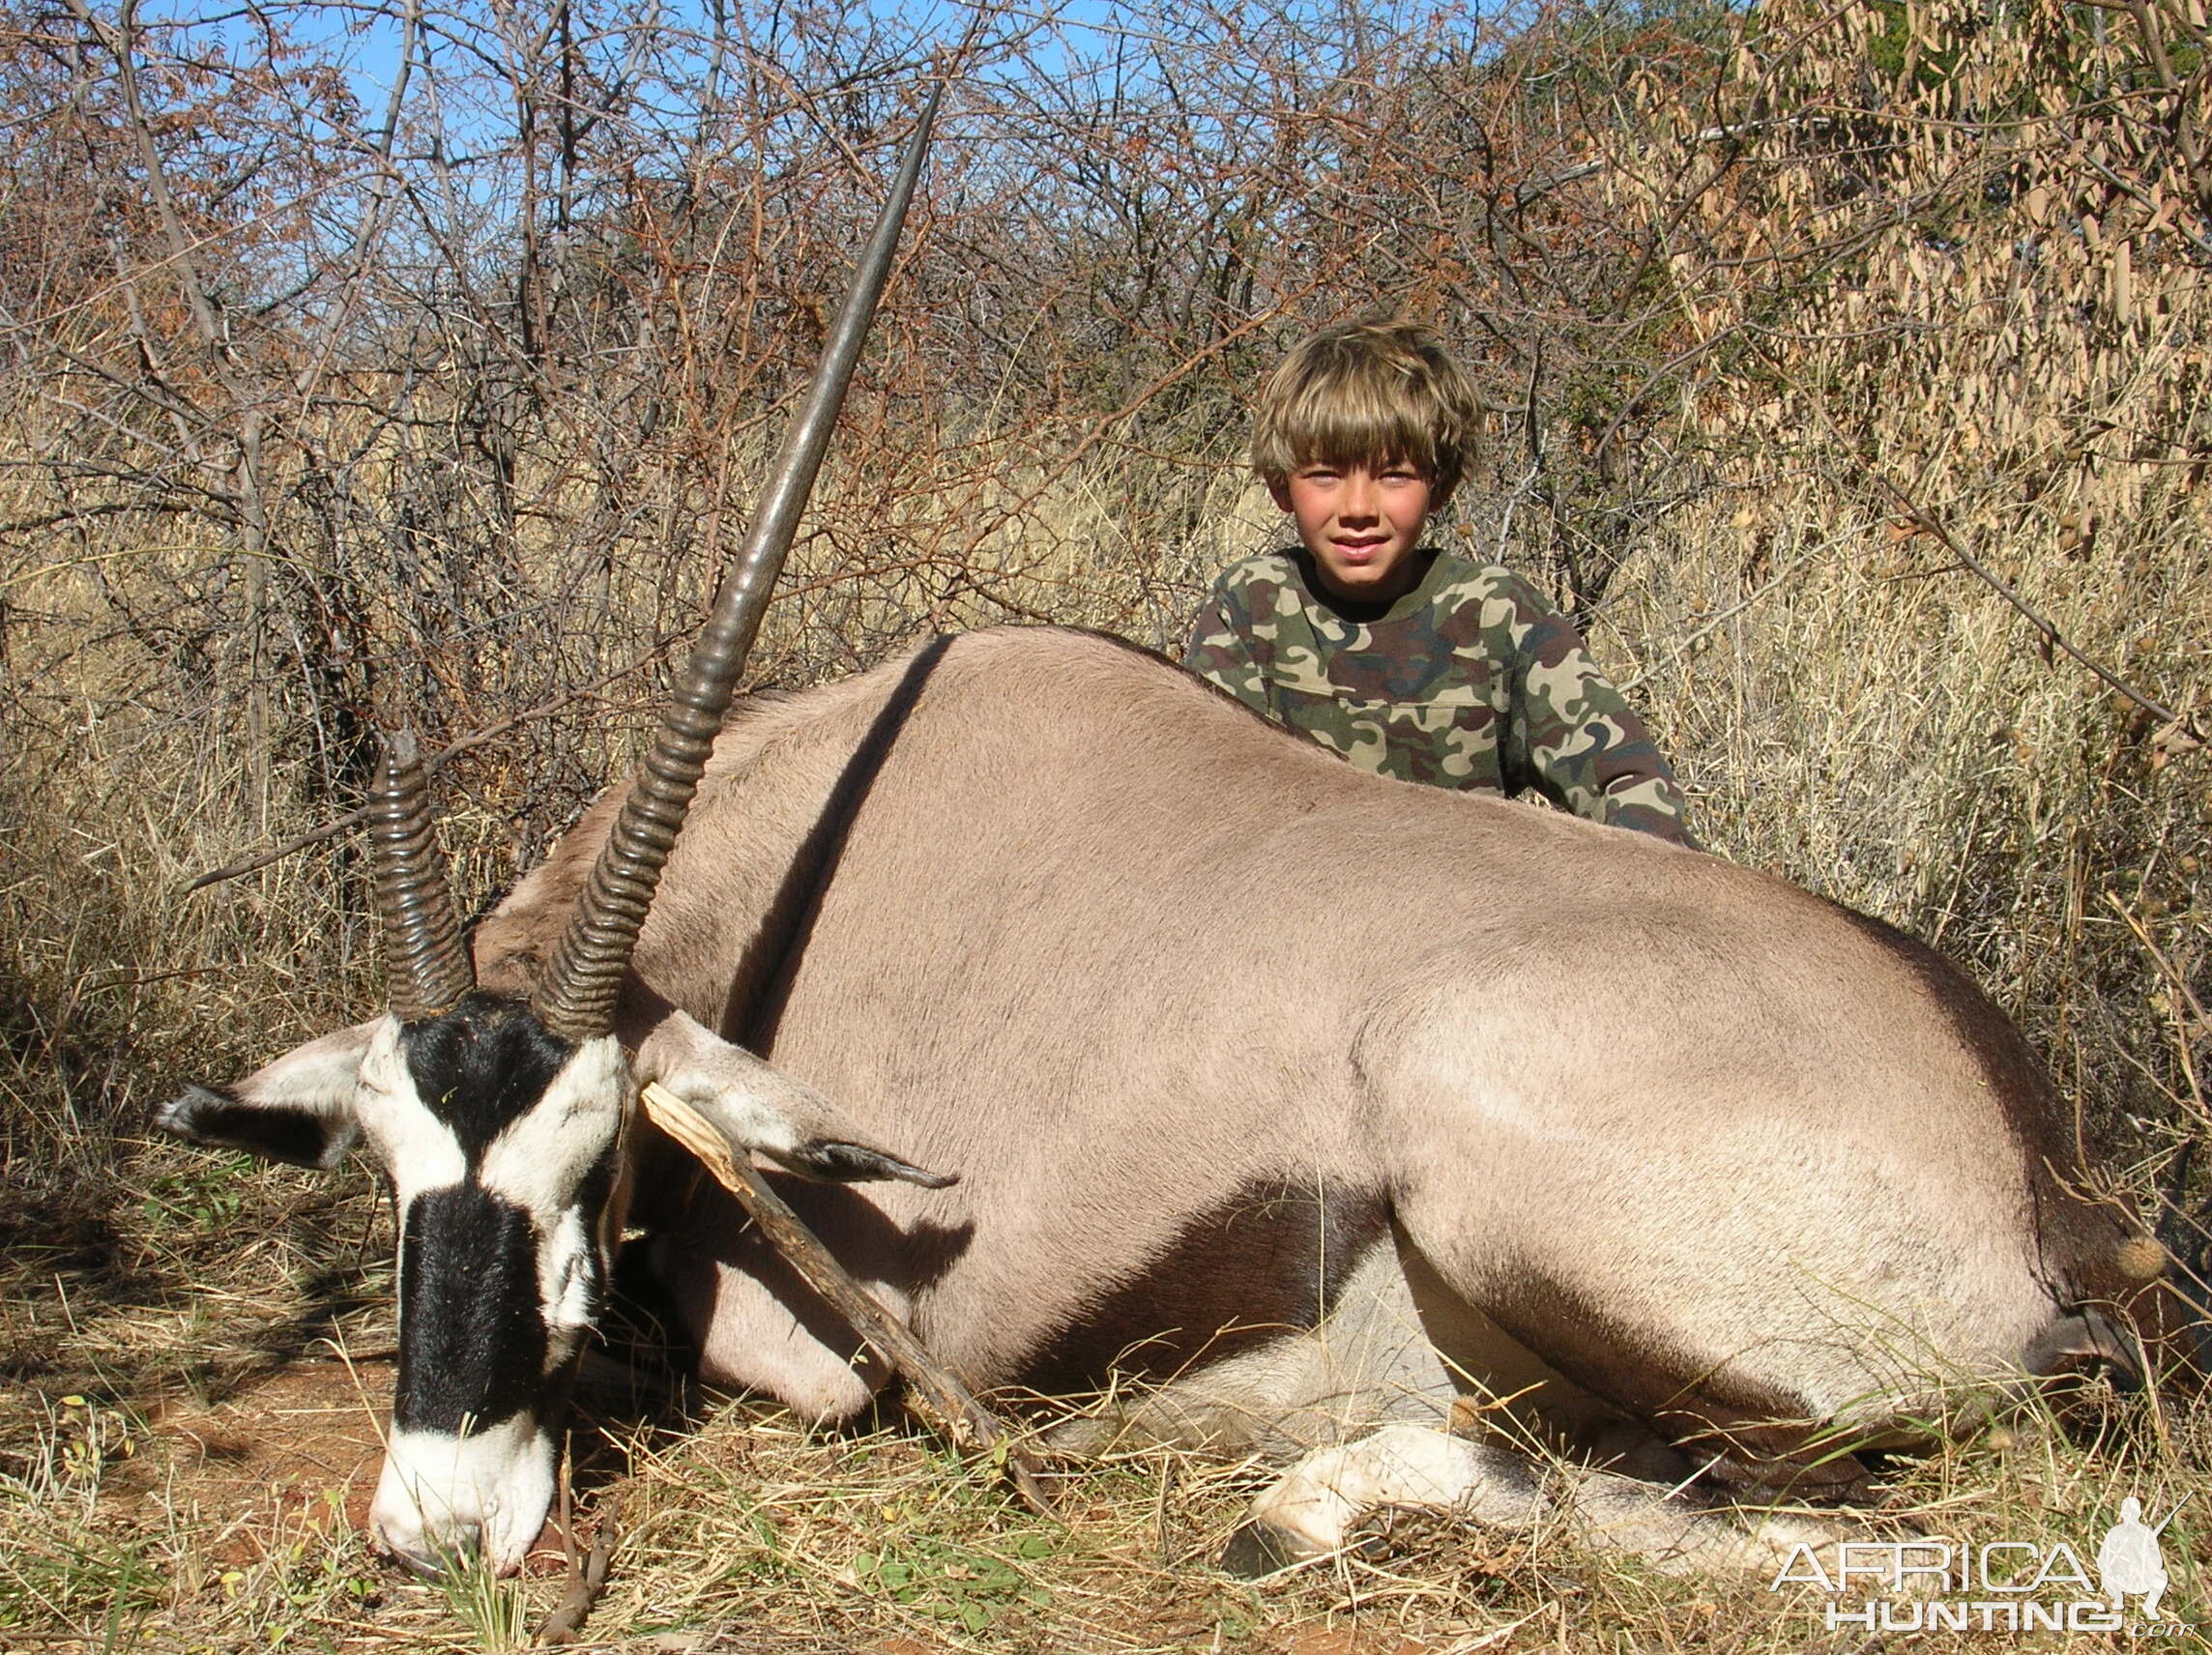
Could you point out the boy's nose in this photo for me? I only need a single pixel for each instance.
(1360, 500)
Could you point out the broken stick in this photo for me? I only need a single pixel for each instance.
(964, 1419)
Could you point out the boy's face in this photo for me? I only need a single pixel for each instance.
(1362, 523)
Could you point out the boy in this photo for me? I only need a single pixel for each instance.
(1406, 659)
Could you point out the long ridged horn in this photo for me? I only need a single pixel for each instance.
(575, 998)
(429, 967)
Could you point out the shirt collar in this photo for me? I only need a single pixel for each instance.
(1413, 598)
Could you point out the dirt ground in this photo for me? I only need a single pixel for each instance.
(264, 1495)
(303, 1445)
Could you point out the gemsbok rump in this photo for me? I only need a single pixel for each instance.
(1321, 1099)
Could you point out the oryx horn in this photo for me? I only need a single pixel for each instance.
(429, 969)
(575, 998)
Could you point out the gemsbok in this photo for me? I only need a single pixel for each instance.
(1319, 1099)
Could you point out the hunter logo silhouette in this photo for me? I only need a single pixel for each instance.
(2128, 1563)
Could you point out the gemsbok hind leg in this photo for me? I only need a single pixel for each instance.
(1316, 1507)
(1550, 1456)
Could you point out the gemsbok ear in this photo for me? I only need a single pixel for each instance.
(762, 1110)
(298, 1108)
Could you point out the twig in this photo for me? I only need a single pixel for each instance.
(352, 818)
(1690, 640)
(2181, 1001)
(963, 1418)
(2053, 639)
(585, 1582)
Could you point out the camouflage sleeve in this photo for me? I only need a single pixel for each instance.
(1220, 649)
(1575, 739)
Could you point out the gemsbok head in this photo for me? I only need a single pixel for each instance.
(500, 1121)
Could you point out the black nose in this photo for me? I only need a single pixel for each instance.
(453, 1550)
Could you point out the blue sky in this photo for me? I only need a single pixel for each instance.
(364, 36)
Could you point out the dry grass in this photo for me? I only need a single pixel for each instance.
(233, 1526)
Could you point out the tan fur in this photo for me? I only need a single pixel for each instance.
(1693, 1148)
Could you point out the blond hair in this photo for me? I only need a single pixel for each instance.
(1373, 392)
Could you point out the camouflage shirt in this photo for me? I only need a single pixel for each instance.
(1471, 679)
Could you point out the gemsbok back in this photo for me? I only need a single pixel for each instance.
(1319, 1099)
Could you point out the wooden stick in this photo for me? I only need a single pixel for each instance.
(587, 1580)
(960, 1416)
